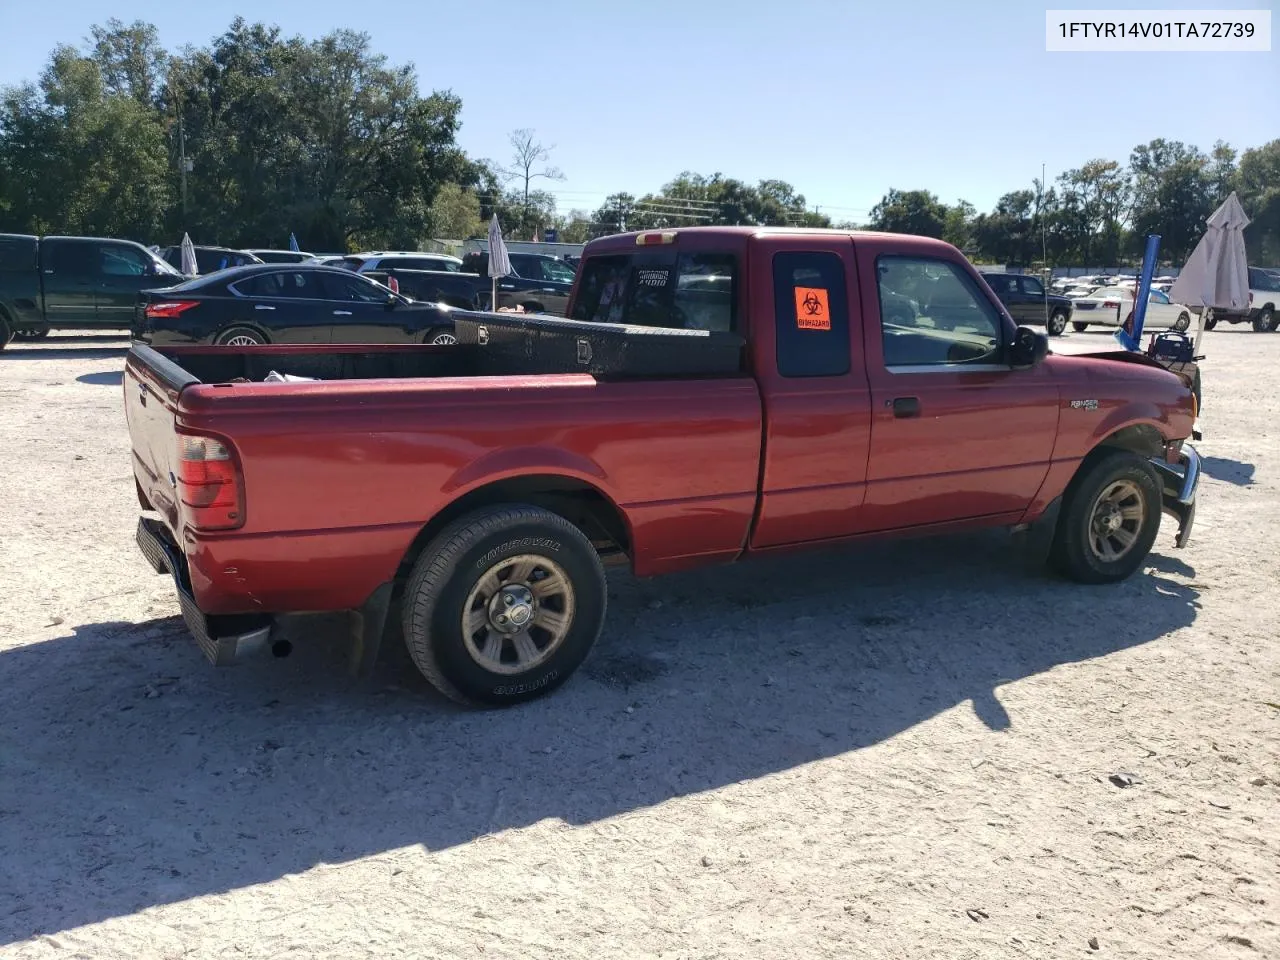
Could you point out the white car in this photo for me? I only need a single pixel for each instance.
(1110, 306)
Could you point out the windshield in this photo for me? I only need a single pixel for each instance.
(1261, 280)
(162, 266)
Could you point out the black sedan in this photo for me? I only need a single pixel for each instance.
(276, 303)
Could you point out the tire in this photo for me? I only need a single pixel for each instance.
(242, 337)
(1211, 323)
(1079, 327)
(1101, 495)
(1195, 390)
(440, 335)
(453, 575)
(31, 334)
(1265, 321)
(1183, 322)
(1057, 323)
(5, 333)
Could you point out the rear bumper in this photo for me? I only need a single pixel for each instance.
(223, 639)
(1181, 484)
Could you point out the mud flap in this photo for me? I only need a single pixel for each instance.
(1033, 541)
(369, 626)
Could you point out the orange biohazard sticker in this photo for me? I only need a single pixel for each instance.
(812, 311)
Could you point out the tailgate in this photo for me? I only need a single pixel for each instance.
(152, 384)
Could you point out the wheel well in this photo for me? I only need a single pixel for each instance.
(1140, 438)
(580, 503)
(240, 325)
(532, 306)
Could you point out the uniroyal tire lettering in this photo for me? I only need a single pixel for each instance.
(525, 543)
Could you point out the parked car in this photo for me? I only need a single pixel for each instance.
(1028, 302)
(73, 283)
(469, 291)
(282, 256)
(277, 303)
(210, 259)
(364, 262)
(540, 284)
(1263, 311)
(1111, 306)
(479, 489)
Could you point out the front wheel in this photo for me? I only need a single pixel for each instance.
(504, 605)
(31, 334)
(241, 337)
(1109, 521)
(1183, 322)
(1079, 327)
(1211, 323)
(1265, 321)
(1057, 323)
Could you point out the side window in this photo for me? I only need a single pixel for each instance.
(949, 320)
(557, 272)
(1031, 286)
(117, 260)
(810, 315)
(704, 297)
(292, 286)
(526, 267)
(600, 293)
(72, 258)
(352, 289)
(1003, 284)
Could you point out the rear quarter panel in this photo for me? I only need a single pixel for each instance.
(349, 472)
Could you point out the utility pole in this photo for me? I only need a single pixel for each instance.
(183, 167)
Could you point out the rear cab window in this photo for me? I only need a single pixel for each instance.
(660, 288)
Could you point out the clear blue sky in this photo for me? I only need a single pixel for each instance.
(842, 99)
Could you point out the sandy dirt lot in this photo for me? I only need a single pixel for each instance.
(902, 751)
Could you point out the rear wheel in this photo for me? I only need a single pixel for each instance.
(241, 337)
(1109, 521)
(1211, 323)
(504, 605)
(1057, 323)
(1265, 321)
(1183, 322)
(440, 336)
(5, 333)
(1079, 327)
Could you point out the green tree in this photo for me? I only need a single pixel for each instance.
(916, 212)
(455, 213)
(1173, 190)
(959, 226)
(1258, 182)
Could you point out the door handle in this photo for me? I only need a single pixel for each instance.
(549, 290)
(263, 306)
(904, 407)
(506, 286)
(342, 313)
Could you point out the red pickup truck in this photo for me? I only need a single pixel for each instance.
(852, 385)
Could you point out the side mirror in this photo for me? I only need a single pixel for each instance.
(392, 301)
(1028, 348)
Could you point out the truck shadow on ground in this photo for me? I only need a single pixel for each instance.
(136, 775)
(1228, 471)
(107, 378)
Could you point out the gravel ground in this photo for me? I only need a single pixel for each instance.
(904, 751)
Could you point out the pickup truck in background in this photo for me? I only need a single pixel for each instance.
(1029, 303)
(741, 392)
(468, 291)
(73, 283)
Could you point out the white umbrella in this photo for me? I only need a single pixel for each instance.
(1217, 275)
(188, 248)
(499, 262)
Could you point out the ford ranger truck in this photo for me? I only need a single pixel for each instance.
(471, 495)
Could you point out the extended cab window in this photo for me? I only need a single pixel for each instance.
(811, 315)
(690, 291)
(933, 314)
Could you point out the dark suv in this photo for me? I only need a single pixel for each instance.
(1024, 298)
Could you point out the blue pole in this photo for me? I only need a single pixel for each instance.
(1132, 339)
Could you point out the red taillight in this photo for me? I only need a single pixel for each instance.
(169, 309)
(209, 483)
(1113, 304)
(651, 239)
(394, 284)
